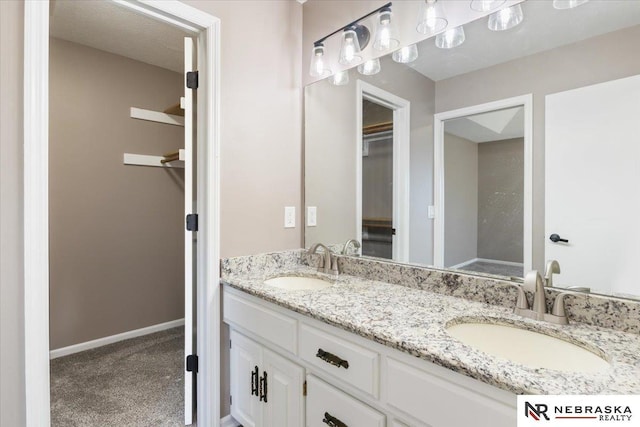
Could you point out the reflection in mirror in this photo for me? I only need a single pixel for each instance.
(550, 53)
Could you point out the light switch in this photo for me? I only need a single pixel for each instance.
(312, 216)
(289, 217)
(431, 212)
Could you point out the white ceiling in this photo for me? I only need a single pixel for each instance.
(492, 126)
(543, 28)
(107, 26)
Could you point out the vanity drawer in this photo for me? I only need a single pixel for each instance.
(346, 361)
(323, 400)
(274, 327)
(441, 403)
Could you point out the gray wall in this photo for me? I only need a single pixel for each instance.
(261, 154)
(460, 199)
(599, 59)
(501, 200)
(116, 231)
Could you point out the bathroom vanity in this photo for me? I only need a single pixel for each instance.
(365, 352)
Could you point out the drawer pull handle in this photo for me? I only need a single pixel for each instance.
(254, 381)
(332, 359)
(332, 421)
(263, 387)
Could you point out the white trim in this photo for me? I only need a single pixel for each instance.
(401, 163)
(156, 116)
(36, 216)
(88, 345)
(438, 186)
(156, 161)
(36, 239)
(488, 261)
(228, 421)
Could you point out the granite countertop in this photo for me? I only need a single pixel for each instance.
(415, 321)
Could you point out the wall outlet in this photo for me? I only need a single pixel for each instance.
(312, 216)
(431, 212)
(289, 217)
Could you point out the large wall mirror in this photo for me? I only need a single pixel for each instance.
(495, 156)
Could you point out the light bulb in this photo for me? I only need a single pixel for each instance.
(431, 18)
(370, 67)
(384, 39)
(486, 5)
(506, 18)
(349, 53)
(340, 78)
(568, 4)
(318, 67)
(406, 54)
(451, 38)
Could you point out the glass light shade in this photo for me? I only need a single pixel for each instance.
(350, 50)
(451, 38)
(370, 67)
(431, 17)
(568, 4)
(506, 18)
(486, 5)
(318, 66)
(385, 40)
(406, 54)
(340, 78)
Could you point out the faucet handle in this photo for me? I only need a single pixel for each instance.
(558, 306)
(522, 302)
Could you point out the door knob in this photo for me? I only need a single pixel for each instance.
(555, 238)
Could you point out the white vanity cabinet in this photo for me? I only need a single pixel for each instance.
(266, 388)
(349, 379)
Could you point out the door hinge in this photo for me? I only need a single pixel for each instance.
(192, 363)
(230, 344)
(192, 79)
(304, 388)
(192, 222)
(230, 400)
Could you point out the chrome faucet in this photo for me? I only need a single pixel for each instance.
(329, 263)
(356, 246)
(552, 267)
(538, 311)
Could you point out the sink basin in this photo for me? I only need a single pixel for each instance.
(297, 283)
(528, 348)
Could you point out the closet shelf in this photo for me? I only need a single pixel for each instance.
(156, 116)
(170, 160)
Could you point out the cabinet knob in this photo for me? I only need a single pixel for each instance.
(332, 421)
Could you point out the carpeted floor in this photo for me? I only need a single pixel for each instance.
(492, 268)
(137, 383)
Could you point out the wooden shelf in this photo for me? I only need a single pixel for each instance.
(154, 161)
(156, 116)
(386, 223)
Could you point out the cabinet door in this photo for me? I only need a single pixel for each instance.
(285, 404)
(245, 360)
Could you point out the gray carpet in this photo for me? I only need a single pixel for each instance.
(491, 268)
(137, 382)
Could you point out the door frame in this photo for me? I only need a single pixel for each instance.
(36, 202)
(401, 163)
(525, 101)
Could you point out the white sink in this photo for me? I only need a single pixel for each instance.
(297, 283)
(528, 348)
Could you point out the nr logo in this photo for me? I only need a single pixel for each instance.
(536, 411)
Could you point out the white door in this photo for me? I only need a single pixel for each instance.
(285, 404)
(245, 376)
(592, 179)
(189, 237)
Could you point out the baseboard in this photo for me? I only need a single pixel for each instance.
(228, 421)
(76, 348)
(487, 260)
(464, 263)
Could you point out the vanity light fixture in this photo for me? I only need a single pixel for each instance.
(341, 78)
(506, 18)
(406, 54)
(318, 66)
(450, 38)
(384, 39)
(431, 17)
(568, 4)
(486, 5)
(355, 37)
(370, 67)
